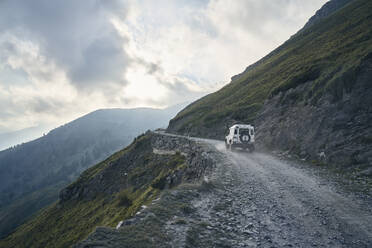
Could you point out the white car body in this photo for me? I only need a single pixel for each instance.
(240, 135)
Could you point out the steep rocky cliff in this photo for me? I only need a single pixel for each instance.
(311, 96)
(336, 130)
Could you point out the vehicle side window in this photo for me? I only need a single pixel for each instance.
(236, 131)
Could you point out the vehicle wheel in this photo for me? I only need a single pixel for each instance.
(245, 137)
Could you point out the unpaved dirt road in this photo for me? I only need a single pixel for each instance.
(250, 200)
(259, 200)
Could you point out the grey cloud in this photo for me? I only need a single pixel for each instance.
(177, 86)
(26, 105)
(103, 60)
(39, 105)
(177, 89)
(253, 15)
(151, 67)
(179, 92)
(7, 72)
(76, 35)
(6, 48)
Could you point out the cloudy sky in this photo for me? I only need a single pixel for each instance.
(62, 59)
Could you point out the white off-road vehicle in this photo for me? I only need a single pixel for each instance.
(240, 136)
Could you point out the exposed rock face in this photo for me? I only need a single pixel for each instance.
(198, 161)
(336, 131)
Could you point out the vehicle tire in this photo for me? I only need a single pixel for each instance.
(245, 137)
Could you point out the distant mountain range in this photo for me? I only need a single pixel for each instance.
(32, 174)
(9, 139)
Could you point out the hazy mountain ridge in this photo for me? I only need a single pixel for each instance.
(115, 190)
(37, 170)
(9, 139)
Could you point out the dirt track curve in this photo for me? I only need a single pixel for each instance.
(259, 200)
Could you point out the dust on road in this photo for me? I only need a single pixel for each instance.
(259, 200)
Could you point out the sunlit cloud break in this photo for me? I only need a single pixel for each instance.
(62, 59)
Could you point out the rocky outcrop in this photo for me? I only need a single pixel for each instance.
(336, 130)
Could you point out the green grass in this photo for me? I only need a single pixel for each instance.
(26, 207)
(328, 54)
(65, 223)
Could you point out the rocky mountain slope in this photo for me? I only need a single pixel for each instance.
(170, 191)
(311, 96)
(32, 174)
(115, 190)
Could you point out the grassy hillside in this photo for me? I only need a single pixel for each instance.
(32, 174)
(105, 194)
(328, 54)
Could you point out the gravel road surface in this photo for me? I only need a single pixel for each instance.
(260, 200)
(251, 200)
